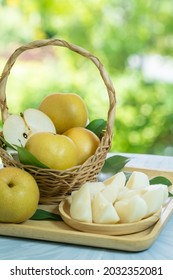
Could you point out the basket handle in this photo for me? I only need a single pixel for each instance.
(61, 43)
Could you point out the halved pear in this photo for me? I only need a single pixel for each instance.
(132, 209)
(38, 121)
(137, 180)
(17, 129)
(80, 208)
(113, 186)
(103, 211)
(155, 196)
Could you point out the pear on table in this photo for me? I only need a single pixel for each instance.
(17, 129)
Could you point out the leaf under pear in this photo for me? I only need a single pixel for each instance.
(28, 158)
(45, 215)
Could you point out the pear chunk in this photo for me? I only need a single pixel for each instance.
(131, 209)
(80, 208)
(17, 129)
(137, 180)
(94, 187)
(155, 196)
(103, 211)
(124, 193)
(113, 186)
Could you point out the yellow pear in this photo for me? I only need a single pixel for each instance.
(55, 151)
(66, 110)
(19, 195)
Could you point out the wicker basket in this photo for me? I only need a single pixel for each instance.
(55, 185)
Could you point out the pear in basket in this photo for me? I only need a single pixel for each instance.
(66, 110)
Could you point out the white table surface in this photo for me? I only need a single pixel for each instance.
(28, 249)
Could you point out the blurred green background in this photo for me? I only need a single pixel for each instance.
(134, 41)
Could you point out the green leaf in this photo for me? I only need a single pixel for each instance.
(97, 126)
(7, 144)
(160, 180)
(27, 158)
(114, 164)
(45, 215)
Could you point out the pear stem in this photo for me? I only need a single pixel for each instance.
(22, 116)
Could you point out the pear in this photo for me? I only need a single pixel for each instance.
(132, 209)
(137, 180)
(17, 129)
(165, 192)
(103, 211)
(155, 196)
(125, 193)
(94, 187)
(80, 208)
(113, 186)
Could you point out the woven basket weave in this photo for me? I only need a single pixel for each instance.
(55, 185)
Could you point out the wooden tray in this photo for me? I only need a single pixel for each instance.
(58, 231)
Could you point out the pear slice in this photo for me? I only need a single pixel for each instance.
(113, 186)
(165, 192)
(38, 121)
(94, 187)
(131, 209)
(17, 129)
(137, 180)
(80, 208)
(126, 193)
(103, 211)
(154, 196)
